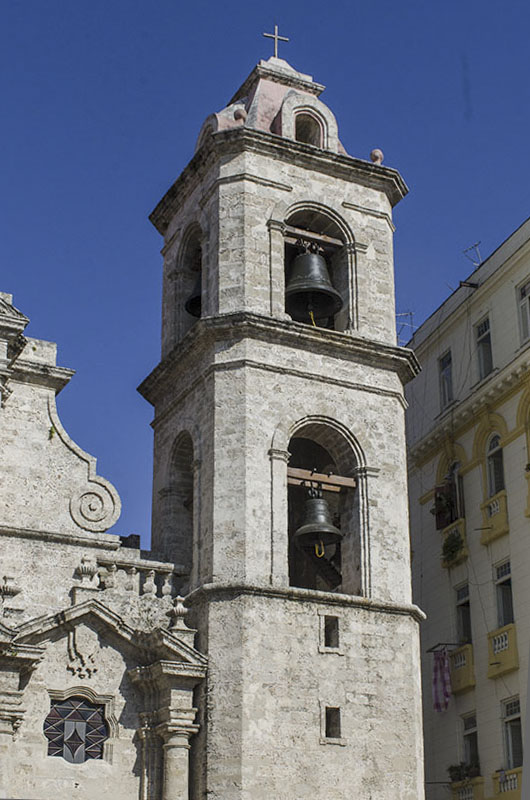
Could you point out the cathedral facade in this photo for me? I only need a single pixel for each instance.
(267, 645)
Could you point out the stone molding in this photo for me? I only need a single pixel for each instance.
(373, 212)
(365, 173)
(462, 415)
(293, 334)
(214, 591)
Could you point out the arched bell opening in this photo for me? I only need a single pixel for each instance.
(190, 274)
(316, 271)
(308, 129)
(177, 501)
(323, 512)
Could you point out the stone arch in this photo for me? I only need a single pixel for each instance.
(326, 229)
(325, 445)
(523, 411)
(189, 274)
(492, 423)
(297, 102)
(178, 502)
(452, 452)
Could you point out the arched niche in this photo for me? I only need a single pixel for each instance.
(323, 449)
(296, 103)
(314, 228)
(189, 277)
(177, 502)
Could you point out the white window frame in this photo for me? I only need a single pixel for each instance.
(469, 728)
(492, 457)
(483, 345)
(503, 574)
(523, 303)
(462, 599)
(511, 711)
(445, 375)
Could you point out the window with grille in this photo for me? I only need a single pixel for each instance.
(484, 353)
(504, 595)
(463, 614)
(76, 729)
(446, 379)
(495, 466)
(524, 310)
(513, 740)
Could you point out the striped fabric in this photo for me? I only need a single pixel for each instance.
(441, 681)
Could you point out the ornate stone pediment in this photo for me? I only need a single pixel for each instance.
(152, 646)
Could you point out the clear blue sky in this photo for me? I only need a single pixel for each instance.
(102, 101)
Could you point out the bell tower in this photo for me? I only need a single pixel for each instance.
(279, 454)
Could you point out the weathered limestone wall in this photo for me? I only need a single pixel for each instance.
(264, 729)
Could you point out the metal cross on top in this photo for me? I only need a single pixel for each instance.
(277, 38)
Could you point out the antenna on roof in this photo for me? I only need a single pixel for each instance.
(477, 260)
(408, 322)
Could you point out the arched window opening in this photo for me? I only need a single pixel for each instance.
(189, 279)
(495, 467)
(316, 271)
(324, 551)
(449, 498)
(308, 129)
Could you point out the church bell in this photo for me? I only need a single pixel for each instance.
(317, 530)
(193, 303)
(309, 293)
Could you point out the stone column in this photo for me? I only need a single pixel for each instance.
(175, 781)
(279, 569)
(277, 269)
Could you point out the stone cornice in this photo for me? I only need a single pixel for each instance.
(383, 179)
(102, 541)
(464, 414)
(56, 378)
(292, 79)
(275, 331)
(214, 591)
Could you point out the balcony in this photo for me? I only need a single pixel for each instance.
(502, 650)
(508, 784)
(494, 517)
(462, 669)
(454, 545)
(470, 789)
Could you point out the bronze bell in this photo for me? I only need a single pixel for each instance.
(317, 529)
(193, 303)
(309, 289)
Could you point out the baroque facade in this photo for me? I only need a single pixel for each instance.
(267, 646)
(469, 448)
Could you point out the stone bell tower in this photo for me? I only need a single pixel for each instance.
(280, 377)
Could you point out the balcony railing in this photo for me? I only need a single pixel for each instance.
(470, 789)
(454, 543)
(494, 517)
(462, 669)
(502, 649)
(508, 784)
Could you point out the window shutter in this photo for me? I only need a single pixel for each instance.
(444, 503)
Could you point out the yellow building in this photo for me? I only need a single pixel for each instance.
(469, 470)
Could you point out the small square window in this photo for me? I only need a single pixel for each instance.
(332, 723)
(331, 632)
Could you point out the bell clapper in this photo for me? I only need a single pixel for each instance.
(320, 550)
